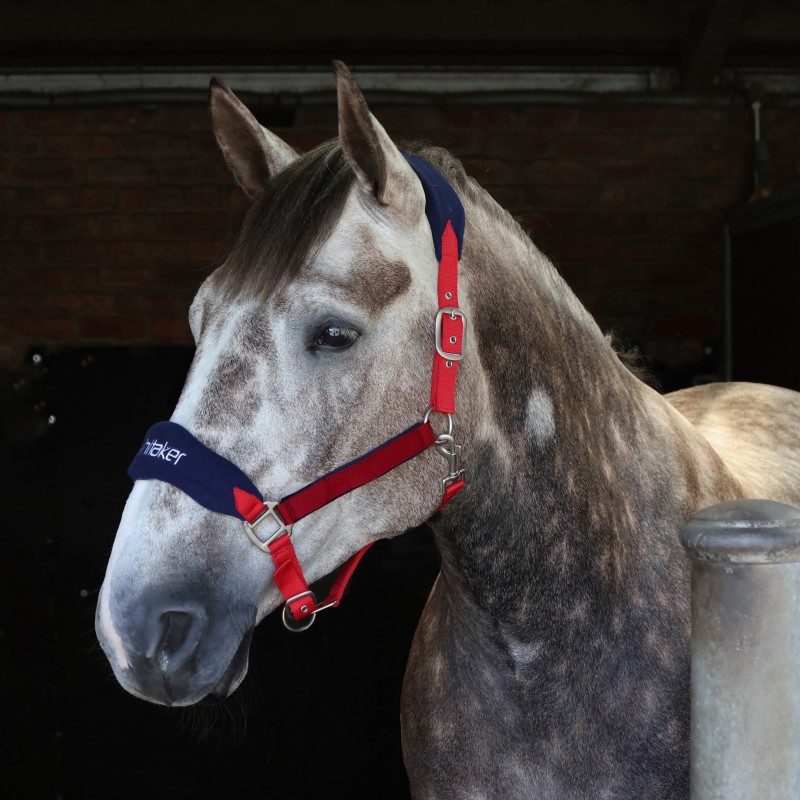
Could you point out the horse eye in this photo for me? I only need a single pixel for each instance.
(335, 337)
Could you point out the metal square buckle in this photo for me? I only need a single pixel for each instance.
(268, 513)
(453, 312)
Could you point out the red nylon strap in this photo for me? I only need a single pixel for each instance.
(288, 573)
(363, 470)
(450, 491)
(292, 583)
(443, 385)
(322, 491)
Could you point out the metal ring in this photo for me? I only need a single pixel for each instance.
(296, 626)
(429, 411)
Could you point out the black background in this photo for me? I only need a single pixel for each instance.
(318, 712)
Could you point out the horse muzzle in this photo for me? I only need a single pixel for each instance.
(172, 650)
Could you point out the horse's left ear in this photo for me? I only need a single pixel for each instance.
(380, 167)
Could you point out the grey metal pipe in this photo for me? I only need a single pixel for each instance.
(745, 684)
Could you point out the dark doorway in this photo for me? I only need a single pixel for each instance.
(318, 713)
(763, 287)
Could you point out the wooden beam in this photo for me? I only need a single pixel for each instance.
(713, 28)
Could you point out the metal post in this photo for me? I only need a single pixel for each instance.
(745, 684)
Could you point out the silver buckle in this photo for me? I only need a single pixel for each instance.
(267, 513)
(453, 312)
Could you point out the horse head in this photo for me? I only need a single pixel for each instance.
(314, 345)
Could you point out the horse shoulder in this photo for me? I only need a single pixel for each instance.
(755, 429)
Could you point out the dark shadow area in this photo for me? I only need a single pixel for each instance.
(318, 712)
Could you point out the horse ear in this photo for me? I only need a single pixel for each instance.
(379, 165)
(252, 153)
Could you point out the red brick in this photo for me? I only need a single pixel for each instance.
(203, 196)
(45, 171)
(160, 197)
(79, 302)
(153, 145)
(42, 329)
(170, 329)
(110, 327)
(191, 170)
(53, 279)
(120, 118)
(57, 198)
(577, 248)
(685, 275)
(123, 277)
(688, 118)
(180, 278)
(208, 252)
(127, 226)
(120, 171)
(493, 171)
(591, 146)
(203, 226)
(80, 146)
(49, 120)
(625, 170)
(653, 144)
(651, 249)
(550, 118)
(204, 144)
(133, 303)
(19, 197)
(624, 118)
(148, 251)
(732, 143)
(691, 222)
(303, 142)
(554, 172)
(130, 199)
(78, 251)
(695, 169)
(687, 327)
(7, 119)
(97, 197)
(22, 304)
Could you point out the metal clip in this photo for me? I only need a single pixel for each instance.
(447, 448)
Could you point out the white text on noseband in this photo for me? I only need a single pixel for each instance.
(156, 449)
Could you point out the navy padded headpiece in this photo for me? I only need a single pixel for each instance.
(170, 453)
(441, 203)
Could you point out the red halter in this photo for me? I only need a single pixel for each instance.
(449, 335)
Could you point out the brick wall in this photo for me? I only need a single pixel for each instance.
(113, 215)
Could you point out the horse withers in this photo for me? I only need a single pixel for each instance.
(384, 347)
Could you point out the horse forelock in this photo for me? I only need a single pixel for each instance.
(287, 223)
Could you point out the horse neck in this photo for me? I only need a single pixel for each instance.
(579, 474)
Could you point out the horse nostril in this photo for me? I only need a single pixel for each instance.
(175, 639)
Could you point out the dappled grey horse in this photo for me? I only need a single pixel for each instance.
(379, 312)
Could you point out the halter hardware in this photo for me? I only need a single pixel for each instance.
(451, 312)
(453, 454)
(270, 512)
(304, 623)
